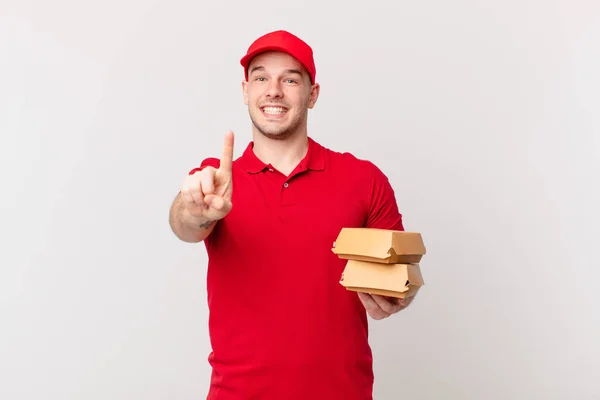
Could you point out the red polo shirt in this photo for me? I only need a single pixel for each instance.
(281, 325)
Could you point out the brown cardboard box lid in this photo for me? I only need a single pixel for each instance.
(379, 245)
(395, 280)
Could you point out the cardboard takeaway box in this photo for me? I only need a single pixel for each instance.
(380, 261)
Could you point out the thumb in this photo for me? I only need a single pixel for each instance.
(217, 203)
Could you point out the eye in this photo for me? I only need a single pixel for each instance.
(291, 81)
(260, 79)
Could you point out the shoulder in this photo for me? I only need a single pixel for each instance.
(372, 185)
(350, 163)
(357, 170)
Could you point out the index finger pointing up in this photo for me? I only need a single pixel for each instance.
(227, 157)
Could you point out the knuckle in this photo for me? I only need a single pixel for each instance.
(185, 186)
(207, 172)
(195, 185)
(206, 179)
(196, 175)
(199, 184)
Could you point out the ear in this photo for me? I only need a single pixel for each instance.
(314, 95)
(245, 91)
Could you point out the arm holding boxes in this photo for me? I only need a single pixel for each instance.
(383, 259)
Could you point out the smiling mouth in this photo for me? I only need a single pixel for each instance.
(274, 111)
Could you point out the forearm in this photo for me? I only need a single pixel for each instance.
(187, 227)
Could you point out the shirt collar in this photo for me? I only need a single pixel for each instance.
(314, 159)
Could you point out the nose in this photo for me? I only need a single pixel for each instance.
(274, 89)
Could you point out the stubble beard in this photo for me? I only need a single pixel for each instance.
(279, 133)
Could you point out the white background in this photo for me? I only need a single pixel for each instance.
(484, 115)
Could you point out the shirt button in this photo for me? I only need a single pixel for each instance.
(271, 169)
(286, 184)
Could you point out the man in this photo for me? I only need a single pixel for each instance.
(281, 325)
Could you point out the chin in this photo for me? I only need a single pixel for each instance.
(276, 130)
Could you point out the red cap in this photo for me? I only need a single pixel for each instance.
(285, 42)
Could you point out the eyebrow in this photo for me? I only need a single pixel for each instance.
(293, 71)
(288, 71)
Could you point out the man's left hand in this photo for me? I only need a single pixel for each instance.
(380, 307)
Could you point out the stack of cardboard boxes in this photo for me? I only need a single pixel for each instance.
(380, 261)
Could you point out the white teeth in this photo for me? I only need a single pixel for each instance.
(274, 110)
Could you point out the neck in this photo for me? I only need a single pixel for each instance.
(284, 155)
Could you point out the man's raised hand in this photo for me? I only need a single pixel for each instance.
(207, 194)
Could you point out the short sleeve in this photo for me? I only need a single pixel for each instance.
(207, 162)
(383, 209)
